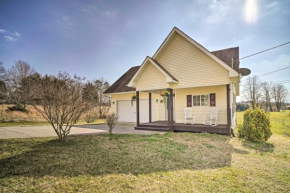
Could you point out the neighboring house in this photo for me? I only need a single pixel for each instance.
(195, 77)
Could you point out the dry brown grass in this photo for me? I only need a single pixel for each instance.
(16, 116)
(32, 118)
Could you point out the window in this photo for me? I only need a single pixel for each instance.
(204, 100)
(196, 100)
(200, 100)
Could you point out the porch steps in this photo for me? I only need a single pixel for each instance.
(152, 128)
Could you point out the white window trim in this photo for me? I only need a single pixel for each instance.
(208, 104)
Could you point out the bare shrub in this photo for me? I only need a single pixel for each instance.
(90, 116)
(112, 121)
(59, 100)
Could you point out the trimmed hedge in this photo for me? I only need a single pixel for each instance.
(256, 126)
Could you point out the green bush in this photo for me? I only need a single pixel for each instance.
(17, 108)
(256, 126)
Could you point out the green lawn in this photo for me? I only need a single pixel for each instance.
(174, 162)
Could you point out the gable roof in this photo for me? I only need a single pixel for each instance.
(224, 56)
(169, 77)
(175, 30)
(121, 84)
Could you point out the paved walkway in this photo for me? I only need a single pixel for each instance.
(47, 131)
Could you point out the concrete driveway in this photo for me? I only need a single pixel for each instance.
(47, 131)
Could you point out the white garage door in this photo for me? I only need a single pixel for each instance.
(127, 112)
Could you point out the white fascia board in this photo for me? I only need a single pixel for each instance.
(132, 82)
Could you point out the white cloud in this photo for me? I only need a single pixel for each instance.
(66, 21)
(17, 34)
(88, 8)
(242, 40)
(110, 14)
(10, 39)
(221, 11)
(273, 4)
(131, 24)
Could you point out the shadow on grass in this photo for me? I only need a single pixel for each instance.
(260, 147)
(117, 154)
(91, 126)
(240, 151)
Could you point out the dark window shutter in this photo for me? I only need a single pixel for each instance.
(189, 100)
(212, 100)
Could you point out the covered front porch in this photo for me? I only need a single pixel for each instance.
(176, 103)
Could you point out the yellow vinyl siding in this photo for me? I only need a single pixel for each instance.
(160, 109)
(200, 111)
(191, 66)
(151, 79)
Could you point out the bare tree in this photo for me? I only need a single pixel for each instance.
(279, 93)
(3, 89)
(253, 90)
(16, 78)
(90, 93)
(103, 100)
(2, 71)
(59, 100)
(266, 90)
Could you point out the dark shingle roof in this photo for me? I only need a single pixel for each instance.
(229, 56)
(120, 84)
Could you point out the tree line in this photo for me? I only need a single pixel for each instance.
(265, 94)
(18, 85)
(61, 99)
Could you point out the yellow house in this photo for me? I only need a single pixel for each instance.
(182, 87)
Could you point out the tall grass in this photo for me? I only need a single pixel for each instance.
(32, 117)
(16, 116)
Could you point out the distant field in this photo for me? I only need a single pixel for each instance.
(32, 118)
(275, 118)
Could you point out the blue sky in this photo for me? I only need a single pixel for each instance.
(105, 38)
